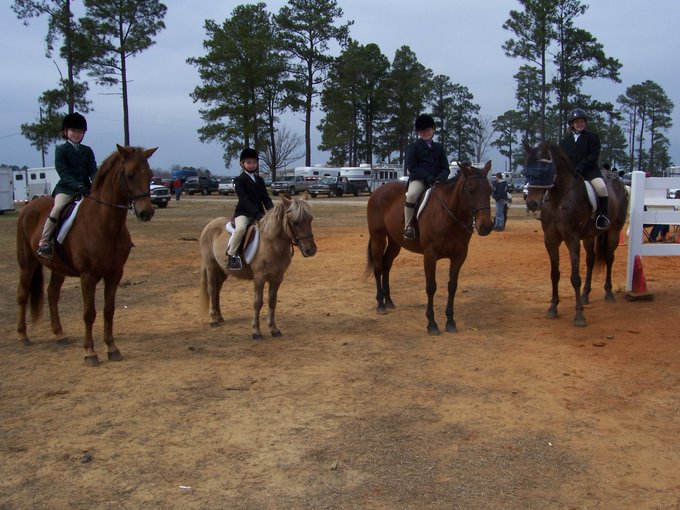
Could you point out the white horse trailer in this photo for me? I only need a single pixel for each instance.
(381, 174)
(317, 172)
(34, 182)
(6, 199)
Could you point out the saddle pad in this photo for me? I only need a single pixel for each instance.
(251, 248)
(423, 202)
(66, 226)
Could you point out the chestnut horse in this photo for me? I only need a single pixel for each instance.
(286, 225)
(96, 247)
(444, 229)
(558, 190)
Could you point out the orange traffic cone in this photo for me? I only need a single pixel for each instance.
(639, 290)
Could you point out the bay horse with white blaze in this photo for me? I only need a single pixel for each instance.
(287, 225)
(96, 247)
(559, 191)
(455, 208)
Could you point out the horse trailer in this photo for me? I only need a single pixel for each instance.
(6, 191)
(34, 182)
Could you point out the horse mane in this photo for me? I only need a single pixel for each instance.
(561, 160)
(105, 169)
(272, 222)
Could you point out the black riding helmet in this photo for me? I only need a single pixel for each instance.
(74, 121)
(423, 122)
(576, 113)
(249, 153)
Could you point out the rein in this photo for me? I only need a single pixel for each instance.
(125, 189)
(468, 226)
(295, 241)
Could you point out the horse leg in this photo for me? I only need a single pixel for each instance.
(553, 249)
(215, 278)
(258, 300)
(88, 284)
(26, 278)
(454, 270)
(376, 248)
(271, 314)
(391, 254)
(612, 244)
(430, 264)
(110, 288)
(575, 255)
(53, 293)
(589, 245)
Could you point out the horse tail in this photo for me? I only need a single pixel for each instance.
(203, 301)
(601, 242)
(370, 263)
(35, 293)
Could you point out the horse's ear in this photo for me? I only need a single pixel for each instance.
(285, 198)
(487, 167)
(124, 151)
(527, 147)
(304, 196)
(149, 152)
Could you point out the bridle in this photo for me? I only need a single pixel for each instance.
(295, 238)
(125, 189)
(467, 226)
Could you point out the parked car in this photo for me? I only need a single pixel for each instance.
(291, 184)
(226, 186)
(160, 195)
(337, 186)
(202, 185)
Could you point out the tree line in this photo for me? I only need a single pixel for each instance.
(259, 65)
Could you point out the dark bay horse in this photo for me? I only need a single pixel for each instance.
(567, 216)
(96, 247)
(444, 230)
(287, 225)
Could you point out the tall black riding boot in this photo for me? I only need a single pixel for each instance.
(602, 220)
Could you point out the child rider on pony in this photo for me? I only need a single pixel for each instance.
(426, 163)
(76, 167)
(253, 202)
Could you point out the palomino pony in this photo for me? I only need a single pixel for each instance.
(287, 225)
(96, 247)
(444, 229)
(567, 216)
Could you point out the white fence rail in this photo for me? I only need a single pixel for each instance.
(650, 192)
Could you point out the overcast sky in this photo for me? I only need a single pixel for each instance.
(459, 38)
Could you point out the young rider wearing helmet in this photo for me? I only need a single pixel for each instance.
(426, 163)
(253, 202)
(76, 166)
(583, 148)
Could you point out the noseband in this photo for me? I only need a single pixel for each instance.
(296, 238)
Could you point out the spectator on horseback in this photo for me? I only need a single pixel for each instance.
(76, 166)
(253, 202)
(426, 164)
(583, 149)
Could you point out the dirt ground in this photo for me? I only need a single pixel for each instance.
(348, 409)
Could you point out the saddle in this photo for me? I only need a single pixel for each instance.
(248, 246)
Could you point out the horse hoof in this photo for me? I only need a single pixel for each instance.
(390, 305)
(64, 341)
(257, 336)
(580, 323)
(551, 314)
(216, 324)
(277, 334)
(115, 356)
(585, 300)
(609, 298)
(451, 328)
(92, 361)
(26, 342)
(381, 310)
(433, 331)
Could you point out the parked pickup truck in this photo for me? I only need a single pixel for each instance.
(160, 195)
(337, 187)
(202, 185)
(291, 184)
